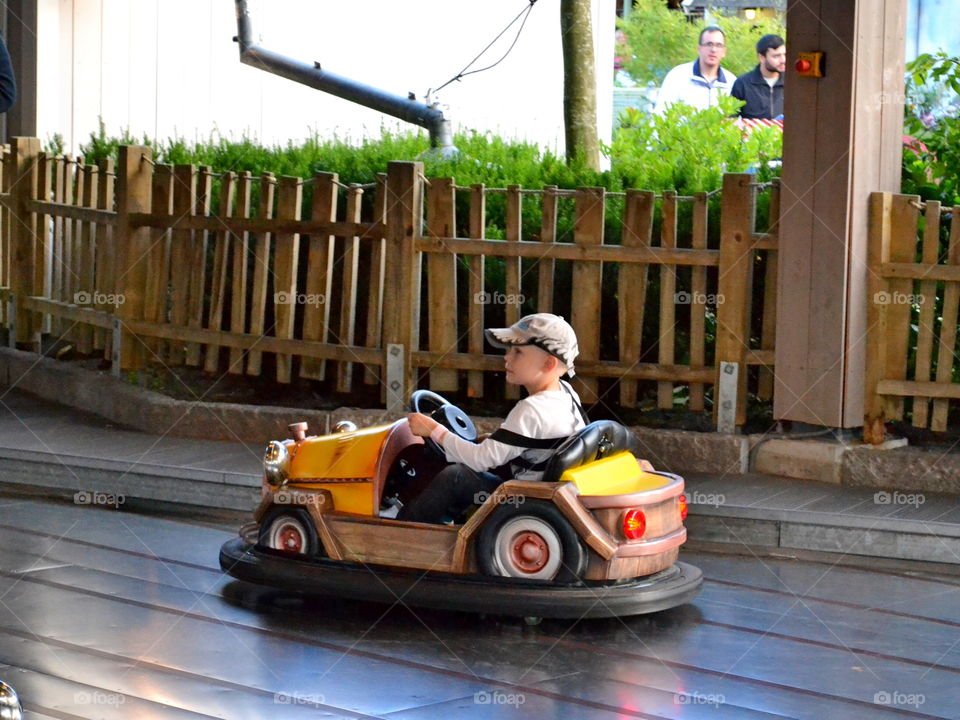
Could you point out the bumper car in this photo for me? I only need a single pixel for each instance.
(598, 536)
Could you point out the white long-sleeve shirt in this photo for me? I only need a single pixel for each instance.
(544, 415)
(684, 83)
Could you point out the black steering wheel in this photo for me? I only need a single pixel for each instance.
(444, 412)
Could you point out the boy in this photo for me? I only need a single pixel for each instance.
(540, 349)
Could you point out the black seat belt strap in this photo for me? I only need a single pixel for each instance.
(577, 405)
(508, 437)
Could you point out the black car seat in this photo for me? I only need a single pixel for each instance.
(599, 439)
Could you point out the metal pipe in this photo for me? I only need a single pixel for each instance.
(412, 111)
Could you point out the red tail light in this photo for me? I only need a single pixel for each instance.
(634, 524)
(683, 506)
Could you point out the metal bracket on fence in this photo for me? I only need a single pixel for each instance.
(12, 321)
(115, 349)
(727, 397)
(394, 372)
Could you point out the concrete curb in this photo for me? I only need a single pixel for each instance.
(902, 468)
(151, 412)
(892, 466)
(826, 532)
(910, 469)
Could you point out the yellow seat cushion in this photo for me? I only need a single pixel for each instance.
(618, 474)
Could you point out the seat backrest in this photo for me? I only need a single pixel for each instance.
(599, 439)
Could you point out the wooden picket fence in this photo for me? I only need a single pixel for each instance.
(174, 265)
(914, 282)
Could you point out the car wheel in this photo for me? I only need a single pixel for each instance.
(532, 541)
(289, 530)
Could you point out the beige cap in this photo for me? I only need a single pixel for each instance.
(550, 333)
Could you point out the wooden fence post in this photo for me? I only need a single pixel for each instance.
(632, 285)
(513, 232)
(134, 195)
(286, 256)
(476, 268)
(23, 188)
(261, 268)
(46, 259)
(442, 281)
(404, 203)
(586, 281)
(927, 301)
(197, 263)
(948, 327)
(698, 296)
(734, 291)
(320, 262)
(87, 233)
(158, 283)
(372, 374)
(350, 266)
(902, 248)
(768, 335)
(878, 252)
(106, 249)
(666, 351)
(238, 292)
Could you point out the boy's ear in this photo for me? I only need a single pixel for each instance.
(551, 363)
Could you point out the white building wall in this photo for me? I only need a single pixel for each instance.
(169, 67)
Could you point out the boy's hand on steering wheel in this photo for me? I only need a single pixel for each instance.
(645, 465)
(421, 424)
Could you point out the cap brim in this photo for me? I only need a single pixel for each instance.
(504, 337)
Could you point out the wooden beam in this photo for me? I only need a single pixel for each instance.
(568, 251)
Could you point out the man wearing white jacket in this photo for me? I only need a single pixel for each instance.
(701, 82)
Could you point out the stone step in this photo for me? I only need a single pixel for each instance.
(111, 482)
(769, 512)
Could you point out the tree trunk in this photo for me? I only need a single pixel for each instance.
(579, 83)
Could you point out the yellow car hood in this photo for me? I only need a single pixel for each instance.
(340, 456)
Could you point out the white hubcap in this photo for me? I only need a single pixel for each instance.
(528, 547)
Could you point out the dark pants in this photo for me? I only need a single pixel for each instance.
(453, 490)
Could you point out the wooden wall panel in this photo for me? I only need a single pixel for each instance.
(839, 127)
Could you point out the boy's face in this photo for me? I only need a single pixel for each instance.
(526, 364)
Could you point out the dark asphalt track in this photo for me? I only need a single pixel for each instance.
(116, 615)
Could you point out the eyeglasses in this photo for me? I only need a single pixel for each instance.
(713, 46)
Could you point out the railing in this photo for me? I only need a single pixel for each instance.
(912, 313)
(154, 264)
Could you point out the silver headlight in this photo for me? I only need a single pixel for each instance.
(345, 426)
(9, 703)
(276, 462)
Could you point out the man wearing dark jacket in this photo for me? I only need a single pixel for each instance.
(8, 87)
(762, 87)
